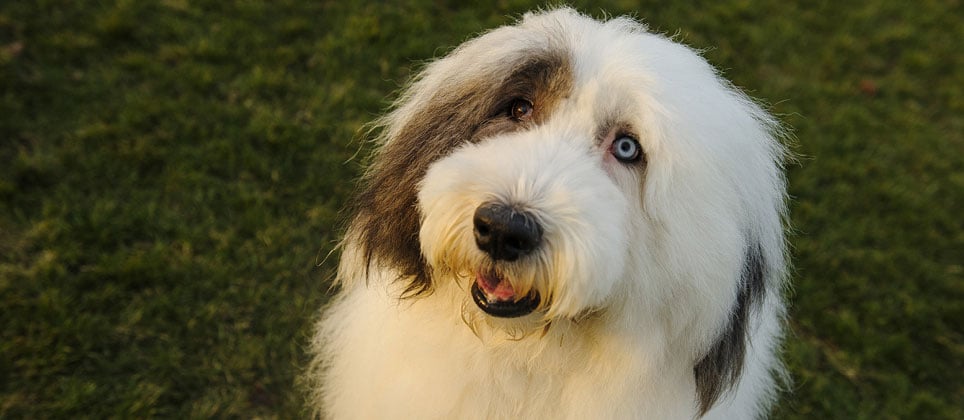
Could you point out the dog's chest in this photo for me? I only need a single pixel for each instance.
(423, 365)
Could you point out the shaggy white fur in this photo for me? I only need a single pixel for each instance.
(568, 219)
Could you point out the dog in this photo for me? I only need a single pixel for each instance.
(564, 218)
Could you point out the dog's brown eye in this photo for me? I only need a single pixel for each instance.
(520, 109)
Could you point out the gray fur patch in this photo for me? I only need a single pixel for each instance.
(721, 368)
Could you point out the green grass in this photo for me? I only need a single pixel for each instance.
(171, 174)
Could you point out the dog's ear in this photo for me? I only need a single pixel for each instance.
(385, 218)
(720, 369)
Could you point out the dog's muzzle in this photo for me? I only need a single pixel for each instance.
(505, 234)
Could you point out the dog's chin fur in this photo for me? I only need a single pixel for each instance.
(658, 277)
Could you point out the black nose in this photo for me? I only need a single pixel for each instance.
(505, 233)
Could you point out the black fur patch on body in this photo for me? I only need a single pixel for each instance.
(721, 368)
(385, 214)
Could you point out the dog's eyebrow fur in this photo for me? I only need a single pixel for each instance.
(384, 214)
(721, 368)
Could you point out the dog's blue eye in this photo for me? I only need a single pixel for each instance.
(626, 149)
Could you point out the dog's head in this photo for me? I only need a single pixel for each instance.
(566, 166)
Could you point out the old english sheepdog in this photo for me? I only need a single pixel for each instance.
(565, 218)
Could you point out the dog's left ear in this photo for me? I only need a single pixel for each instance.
(385, 217)
(721, 368)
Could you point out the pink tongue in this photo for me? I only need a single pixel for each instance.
(495, 287)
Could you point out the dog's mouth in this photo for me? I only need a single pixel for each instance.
(494, 295)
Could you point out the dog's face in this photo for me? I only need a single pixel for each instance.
(565, 166)
(533, 212)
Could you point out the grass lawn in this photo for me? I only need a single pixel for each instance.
(171, 174)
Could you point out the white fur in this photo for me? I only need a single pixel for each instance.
(642, 268)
